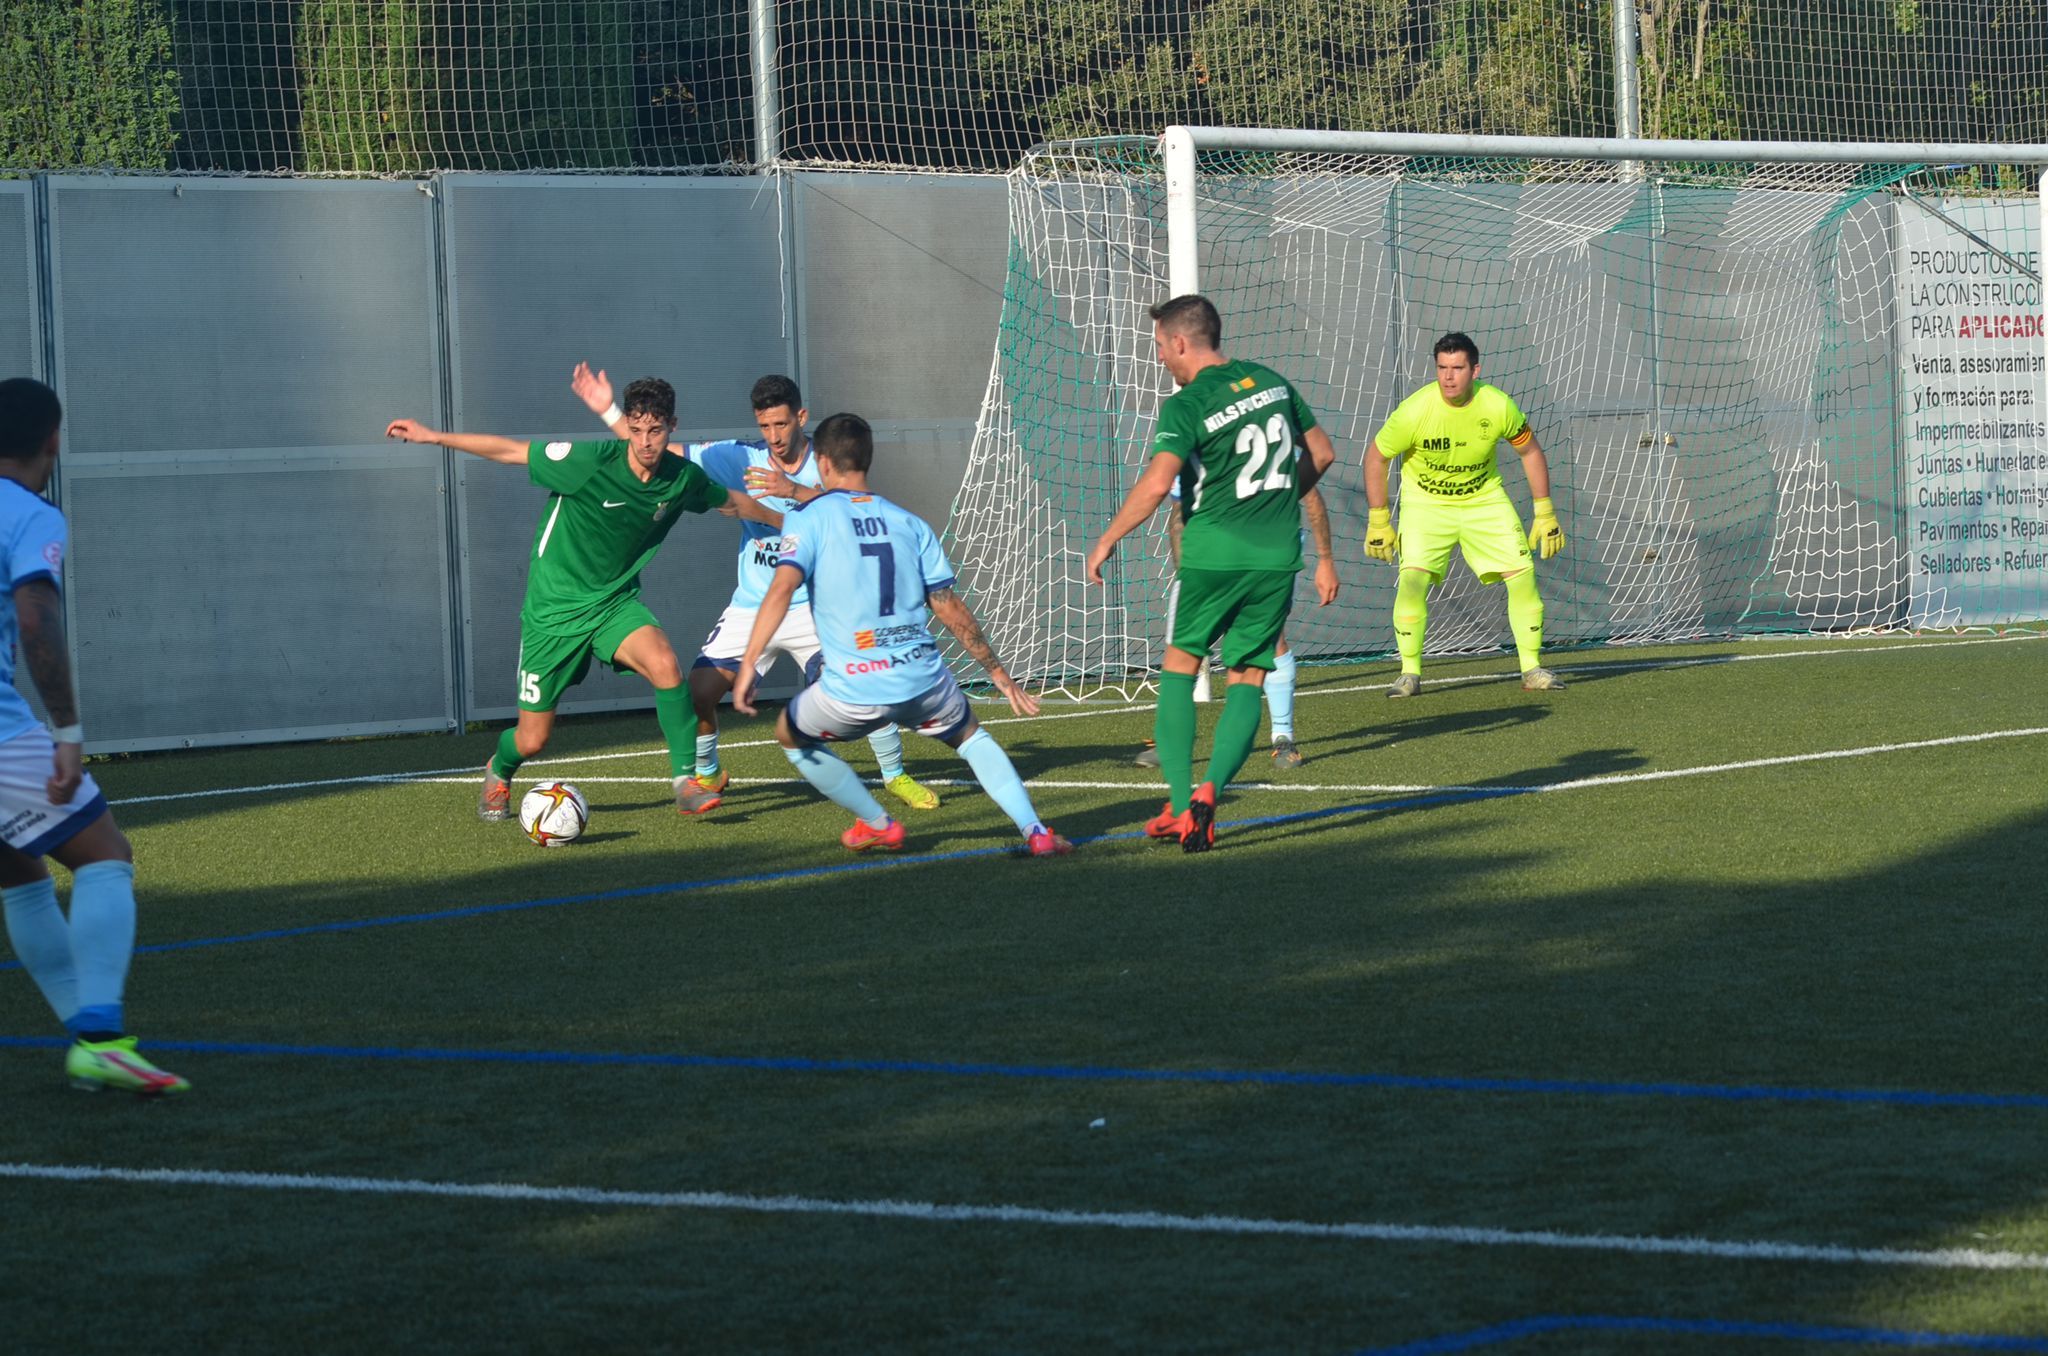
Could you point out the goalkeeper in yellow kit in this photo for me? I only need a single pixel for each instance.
(1452, 495)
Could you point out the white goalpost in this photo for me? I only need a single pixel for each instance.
(1784, 387)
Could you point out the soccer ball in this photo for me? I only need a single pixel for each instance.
(553, 814)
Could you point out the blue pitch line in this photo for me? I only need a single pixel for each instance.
(1089, 1073)
(773, 877)
(1516, 1329)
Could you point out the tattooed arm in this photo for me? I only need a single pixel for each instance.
(40, 613)
(948, 608)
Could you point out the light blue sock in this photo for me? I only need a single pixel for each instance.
(1280, 696)
(887, 743)
(839, 784)
(42, 939)
(993, 770)
(707, 754)
(102, 940)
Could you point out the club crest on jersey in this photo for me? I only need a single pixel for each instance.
(53, 554)
(557, 451)
(1486, 426)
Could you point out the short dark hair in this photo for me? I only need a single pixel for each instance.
(29, 414)
(651, 395)
(1457, 341)
(1193, 315)
(775, 389)
(846, 441)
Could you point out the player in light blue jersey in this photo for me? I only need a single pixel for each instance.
(49, 806)
(781, 473)
(877, 577)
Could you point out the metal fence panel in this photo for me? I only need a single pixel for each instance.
(281, 596)
(250, 561)
(677, 278)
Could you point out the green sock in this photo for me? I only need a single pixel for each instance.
(1411, 618)
(678, 727)
(1525, 618)
(1173, 731)
(1236, 730)
(507, 759)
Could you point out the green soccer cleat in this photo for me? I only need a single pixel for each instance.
(93, 1065)
(1540, 679)
(1286, 757)
(912, 792)
(1407, 685)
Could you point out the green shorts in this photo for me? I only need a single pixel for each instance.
(552, 662)
(1487, 530)
(1247, 608)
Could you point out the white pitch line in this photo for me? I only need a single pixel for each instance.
(930, 1212)
(463, 773)
(1386, 788)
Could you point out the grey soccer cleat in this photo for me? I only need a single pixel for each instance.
(1285, 756)
(1407, 685)
(1148, 756)
(1540, 679)
(495, 801)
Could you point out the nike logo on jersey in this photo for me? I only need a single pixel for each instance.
(609, 504)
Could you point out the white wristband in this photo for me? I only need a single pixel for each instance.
(612, 414)
(68, 734)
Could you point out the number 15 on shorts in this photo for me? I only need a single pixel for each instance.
(529, 686)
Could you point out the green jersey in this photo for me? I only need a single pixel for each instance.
(1451, 447)
(603, 524)
(1237, 428)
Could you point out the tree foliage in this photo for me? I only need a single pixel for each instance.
(86, 83)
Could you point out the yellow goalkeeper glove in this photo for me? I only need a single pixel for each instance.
(1381, 541)
(1546, 538)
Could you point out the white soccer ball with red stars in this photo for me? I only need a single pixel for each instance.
(553, 814)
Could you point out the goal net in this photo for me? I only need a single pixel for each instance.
(1775, 396)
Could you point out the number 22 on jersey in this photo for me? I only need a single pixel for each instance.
(1270, 450)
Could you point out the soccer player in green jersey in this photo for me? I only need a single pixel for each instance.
(1452, 495)
(610, 505)
(1234, 436)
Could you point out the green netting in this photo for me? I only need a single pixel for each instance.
(1717, 359)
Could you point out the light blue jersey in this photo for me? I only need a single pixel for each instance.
(32, 539)
(727, 462)
(871, 565)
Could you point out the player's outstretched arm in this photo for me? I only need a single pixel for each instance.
(40, 613)
(489, 446)
(1138, 507)
(1546, 535)
(949, 608)
(774, 607)
(750, 508)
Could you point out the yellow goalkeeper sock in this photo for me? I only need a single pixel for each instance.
(1411, 618)
(1525, 618)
